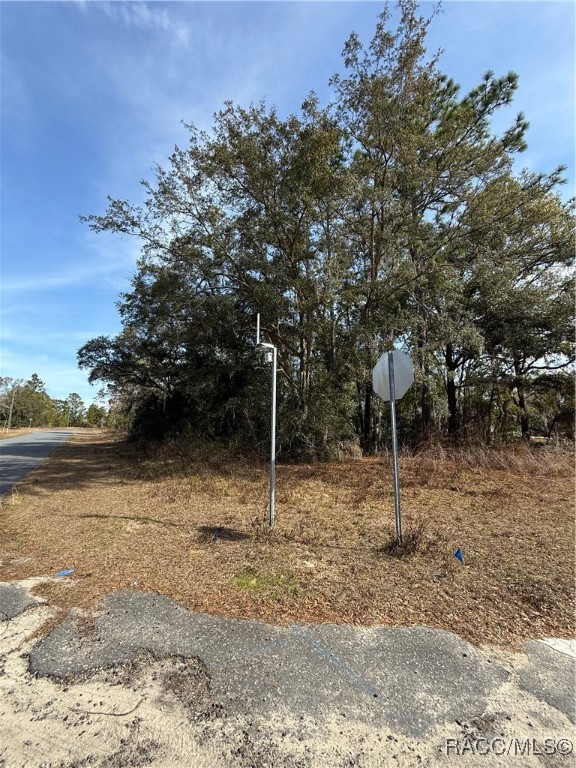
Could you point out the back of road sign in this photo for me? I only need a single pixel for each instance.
(403, 375)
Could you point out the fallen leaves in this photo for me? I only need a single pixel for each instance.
(193, 526)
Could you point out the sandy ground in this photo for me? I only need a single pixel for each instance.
(161, 713)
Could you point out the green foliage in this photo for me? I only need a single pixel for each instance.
(96, 415)
(27, 404)
(24, 404)
(393, 216)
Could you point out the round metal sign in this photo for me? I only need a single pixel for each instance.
(403, 375)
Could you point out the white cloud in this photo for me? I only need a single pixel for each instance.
(147, 17)
(8, 334)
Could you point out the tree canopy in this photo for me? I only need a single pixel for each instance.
(27, 404)
(392, 216)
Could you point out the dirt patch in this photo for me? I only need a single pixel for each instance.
(182, 682)
(192, 525)
(124, 716)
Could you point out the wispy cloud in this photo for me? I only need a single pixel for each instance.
(48, 282)
(104, 258)
(149, 18)
(61, 375)
(11, 335)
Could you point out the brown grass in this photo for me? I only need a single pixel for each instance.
(191, 524)
(16, 432)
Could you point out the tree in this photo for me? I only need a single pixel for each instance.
(516, 288)
(76, 410)
(31, 404)
(8, 390)
(377, 220)
(35, 384)
(96, 415)
(421, 155)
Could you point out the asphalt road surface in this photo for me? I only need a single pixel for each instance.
(408, 679)
(215, 692)
(147, 682)
(19, 455)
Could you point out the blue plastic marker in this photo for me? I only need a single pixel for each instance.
(65, 572)
(459, 555)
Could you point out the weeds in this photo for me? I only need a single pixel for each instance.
(413, 541)
(519, 458)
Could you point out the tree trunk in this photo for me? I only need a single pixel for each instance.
(453, 411)
(421, 342)
(524, 417)
(367, 437)
(488, 434)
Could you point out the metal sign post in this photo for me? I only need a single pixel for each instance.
(392, 376)
(395, 447)
(271, 356)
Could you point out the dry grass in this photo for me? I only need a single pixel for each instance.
(192, 525)
(16, 432)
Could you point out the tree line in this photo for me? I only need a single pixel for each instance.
(393, 216)
(27, 404)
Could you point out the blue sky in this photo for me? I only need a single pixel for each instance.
(93, 94)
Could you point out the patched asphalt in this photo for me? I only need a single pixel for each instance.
(408, 680)
(411, 681)
(14, 599)
(550, 674)
(405, 679)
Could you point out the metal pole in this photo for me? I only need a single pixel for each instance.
(273, 443)
(271, 355)
(395, 448)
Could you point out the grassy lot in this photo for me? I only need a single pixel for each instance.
(191, 525)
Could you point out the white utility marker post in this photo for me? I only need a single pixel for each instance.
(271, 357)
(392, 376)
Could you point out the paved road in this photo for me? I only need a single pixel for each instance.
(409, 679)
(368, 675)
(19, 455)
(262, 696)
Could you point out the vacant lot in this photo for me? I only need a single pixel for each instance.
(192, 525)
